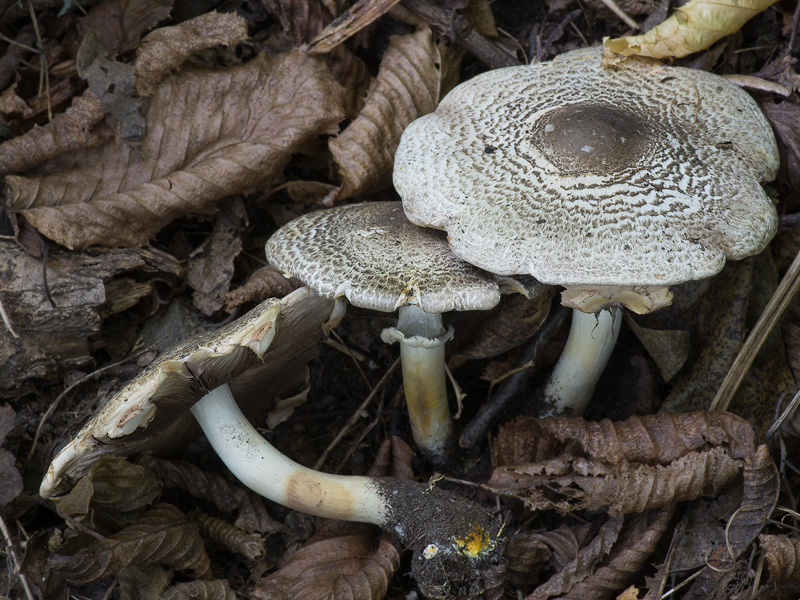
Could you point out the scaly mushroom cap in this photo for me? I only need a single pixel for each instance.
(373, 256)
(637, 175)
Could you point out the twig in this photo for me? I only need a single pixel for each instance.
(7, 321)
(11, 552)
(793, 33)
(356, 415)
(621, 13)
(773, 311)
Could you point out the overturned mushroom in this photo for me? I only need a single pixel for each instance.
(371, 255)
(613, 182)
(452, 539)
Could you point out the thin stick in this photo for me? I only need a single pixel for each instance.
(11, 552)
(773, 311)
(7, 321)
(356, 415)
(621, 14)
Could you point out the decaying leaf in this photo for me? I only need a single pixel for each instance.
(210, 133)
(693, 27)
(162, 535)
(118, 490)
(783, 556)
(249, 545)
(204, 485)
(122, 22)
(349, 23)
(167, 48)
(218, 589)
(9, 475)
(143, 582)
(649, 439)
(266, 282)
(407, 87)
(669, 348)
(759, 497)
(69, 131)
(342, 561)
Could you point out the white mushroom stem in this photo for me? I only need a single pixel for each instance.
(422, 338)
(262, 468)
(591, 340)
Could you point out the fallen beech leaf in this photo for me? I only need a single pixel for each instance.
(122, 22)
(568, 484)
(162, 535)
(204, 485)
(69, 131)
(407, 87)
(115, 490)
(526, 557)
(669, 348)
(210, 134)
(249, 545)
(638, 540)
(583, 564)
(693, 27)
(219, 589)
(649, 439)
(341, 561)
(761, 486)
(143, 582)
(783, 557)
(167, 48)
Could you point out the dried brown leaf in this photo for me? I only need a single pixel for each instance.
(249, 545)
(783, 557)
(649, 439)
(166, 48)
(515, 321)
(393, 459)
(143, 582)
(342, 561)
(9, 475)
(218, 589)
(761, 486)
(266, 282)
(69, 131)
(669, 348)
(527, 555)
(210, 266)
(162, 535)
(637, 542)
(584, 563)
(122, 22)
(572, 483)
(205, 485)
(115, 491)
(407, 87)
(209, 134)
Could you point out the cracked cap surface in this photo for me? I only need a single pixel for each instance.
(373, 256)
(640, 174)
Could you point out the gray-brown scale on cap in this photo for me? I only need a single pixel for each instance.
(373, 256)
(578, 175)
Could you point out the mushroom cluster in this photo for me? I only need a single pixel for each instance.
(613, 181)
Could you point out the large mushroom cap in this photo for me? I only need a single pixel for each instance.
(630, 176)
(373, 256)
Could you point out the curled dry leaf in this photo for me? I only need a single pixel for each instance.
(783, 557)
(341, 561)
(218, 589)
(583, 564)
(210, 134)
(693, 27)
(166, 48)
(649, 439)
(573, 483)
(638, 540)
(162, 535)
(116, 489)
(266, 282)
(122, 22)
(70, 131)
(407, 87)
(393, 459)
(249, 545)
(761, 486)
(205, 485)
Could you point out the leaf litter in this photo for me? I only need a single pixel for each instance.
(183, 142)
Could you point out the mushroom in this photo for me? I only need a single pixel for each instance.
(452, 538)
(370, 254)
(612, 182)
